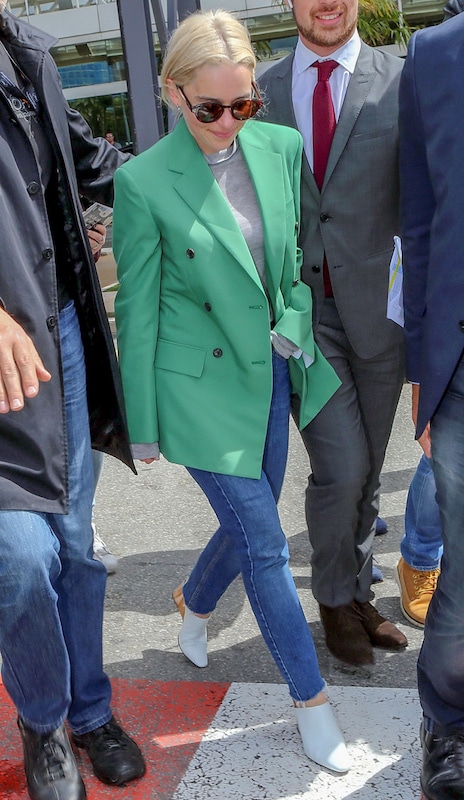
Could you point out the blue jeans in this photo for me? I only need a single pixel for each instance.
(421, 545)
(51, 589)
(440, 665)
(250, 541)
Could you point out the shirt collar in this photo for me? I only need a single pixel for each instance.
(346, 55)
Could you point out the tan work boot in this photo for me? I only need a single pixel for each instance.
(417, 588)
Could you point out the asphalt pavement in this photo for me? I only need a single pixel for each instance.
(227, 732)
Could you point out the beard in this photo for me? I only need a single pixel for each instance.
(328, 38)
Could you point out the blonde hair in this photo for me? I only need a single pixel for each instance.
(205, 38)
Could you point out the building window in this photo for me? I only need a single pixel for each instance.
(89, 63)
(28, 8)
(106, 113)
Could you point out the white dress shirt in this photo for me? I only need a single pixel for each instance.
(304, 80)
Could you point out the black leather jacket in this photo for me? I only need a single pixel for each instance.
(33, 459)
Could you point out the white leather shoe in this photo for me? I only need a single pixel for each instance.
(322, 738)
(192, 637)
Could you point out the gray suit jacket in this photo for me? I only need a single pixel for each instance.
(355, 216)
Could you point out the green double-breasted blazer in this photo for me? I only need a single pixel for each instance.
(191, 313)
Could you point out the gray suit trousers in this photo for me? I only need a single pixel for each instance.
(346, 444)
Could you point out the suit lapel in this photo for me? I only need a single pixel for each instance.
(358, 89)
(283, 113)
(198, 188)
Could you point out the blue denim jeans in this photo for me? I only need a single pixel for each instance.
(421, 545)
(250, 541)
(51, 589)
(441, 660)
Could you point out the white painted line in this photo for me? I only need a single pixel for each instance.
(252, 750)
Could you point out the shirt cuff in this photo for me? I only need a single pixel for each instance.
(143, 451)
(307, 359)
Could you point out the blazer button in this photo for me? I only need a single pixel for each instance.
(316, 268)
(47, 253)
(324, 217)
(33, 187)
(208, 306)
(295, 283)
(190, 253)
(51, 322)
(217, 352)
(461, 324)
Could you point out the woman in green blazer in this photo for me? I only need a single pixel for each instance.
(212, 321)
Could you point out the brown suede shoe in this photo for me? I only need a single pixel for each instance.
(380, 631)
(345, 635)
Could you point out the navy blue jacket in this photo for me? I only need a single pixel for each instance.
(432, 201)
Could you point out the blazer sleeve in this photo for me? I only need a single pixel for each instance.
(137, 248)
(417, 211)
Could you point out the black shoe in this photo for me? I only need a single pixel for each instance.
(115, 757)
(50, 766)
(442, 775)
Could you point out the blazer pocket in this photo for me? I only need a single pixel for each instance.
(182, 358)
(376, 134)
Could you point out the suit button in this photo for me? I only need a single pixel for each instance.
(461, 324)
(33, 187)
(217, 352)
(324, 217)
(51, 322)
(316, 268)
(47, 253)
(295, 283)
(190, 253)
(208, 306)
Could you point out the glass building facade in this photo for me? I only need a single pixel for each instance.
(89, 48)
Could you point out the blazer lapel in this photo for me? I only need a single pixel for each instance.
(266, 172)
(358, 89)
(198, 188)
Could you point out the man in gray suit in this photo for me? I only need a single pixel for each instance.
(349, 218)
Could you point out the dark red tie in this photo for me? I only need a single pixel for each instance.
(324, 124)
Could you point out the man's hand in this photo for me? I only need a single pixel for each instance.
(97, 238)
(21, 367)
(424, 439)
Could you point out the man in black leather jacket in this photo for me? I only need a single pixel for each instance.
(59, 394)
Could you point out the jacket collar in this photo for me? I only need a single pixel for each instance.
(358, 90)
(198, 188)
(22, 34)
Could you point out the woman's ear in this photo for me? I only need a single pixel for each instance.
(173, 92)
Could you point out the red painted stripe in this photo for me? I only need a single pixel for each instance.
(167, 719)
